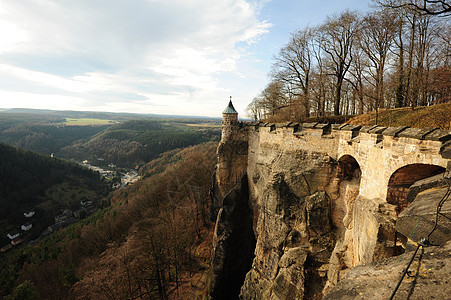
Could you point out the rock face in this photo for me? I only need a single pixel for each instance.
(315, 204)
(418, 219)
(430, 277)
(293, 228)
(233, 244)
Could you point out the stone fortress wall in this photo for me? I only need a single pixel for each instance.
(357, 178)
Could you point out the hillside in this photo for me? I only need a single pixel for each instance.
(153, 242)
(103, 138)
(139, 141)
(34, 182)
(425, 116)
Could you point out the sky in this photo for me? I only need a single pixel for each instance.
(172, 57)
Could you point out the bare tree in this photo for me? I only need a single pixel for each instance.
(273, 97)
(375, 39)
(357, 79)
(428, 7)
(338, 36)
(293, 66)
(254, 109)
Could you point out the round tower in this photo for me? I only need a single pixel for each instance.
(229, 122)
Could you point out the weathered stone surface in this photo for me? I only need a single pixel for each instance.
(286, 243)
(309, 125)
(377, 130)
(292, 175)
(430, 278)
(322, 125)
(394, 131)
(233, 244)
(336, 126)
(416, 133)
(439, 135)
(418, 219)
(351, 128)
(425, 184)
(366, 129)
(445, 150)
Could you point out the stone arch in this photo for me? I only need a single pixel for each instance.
(401, 180)
(397, 190)
(348, 168)
(345, 189)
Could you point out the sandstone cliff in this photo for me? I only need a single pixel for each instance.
(307, 203)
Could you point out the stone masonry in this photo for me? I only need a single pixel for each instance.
(288, 165)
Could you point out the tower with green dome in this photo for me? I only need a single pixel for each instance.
(229, 122)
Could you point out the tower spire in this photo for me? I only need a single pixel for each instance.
(229, 122)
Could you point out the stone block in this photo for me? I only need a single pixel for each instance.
(296, 126)
(418, 219)
(336, 126)
(416, 133)
(424, 184)
(309, 125)
(445, 150)
(321, 125)
(377, 130)
(351, 128)
(394, 131)
(439, 135)
(378, 279)
(282, 125)
(366, 129)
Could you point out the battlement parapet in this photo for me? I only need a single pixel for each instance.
(429, 133)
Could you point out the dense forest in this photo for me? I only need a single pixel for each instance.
(396, 55)
(45, 185)
(152, 242)
(135, 142)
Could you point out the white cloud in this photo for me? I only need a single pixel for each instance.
(171, 51)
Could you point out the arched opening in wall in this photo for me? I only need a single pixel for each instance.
(346, 191)
(348, 168)
(398, 188)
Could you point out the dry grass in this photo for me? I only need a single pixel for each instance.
(425, 116)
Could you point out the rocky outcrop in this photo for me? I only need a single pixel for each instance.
(293, 228)
(429, 277)
(419, 218)
(233, 244)
(322, 200)
(294, 263)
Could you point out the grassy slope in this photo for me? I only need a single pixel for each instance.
(425, 116)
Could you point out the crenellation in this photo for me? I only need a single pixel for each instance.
(366, 129)
(439, 135)
(394, 131)
(416, 133)
(286, 163)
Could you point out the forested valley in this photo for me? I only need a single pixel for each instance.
(125, 140)
(37, 183)
(153, 240)
(148, 240)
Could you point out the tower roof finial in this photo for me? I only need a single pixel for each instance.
(230, 109)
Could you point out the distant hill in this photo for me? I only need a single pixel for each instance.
(424, 116)
(139, 141)
(122, 139)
